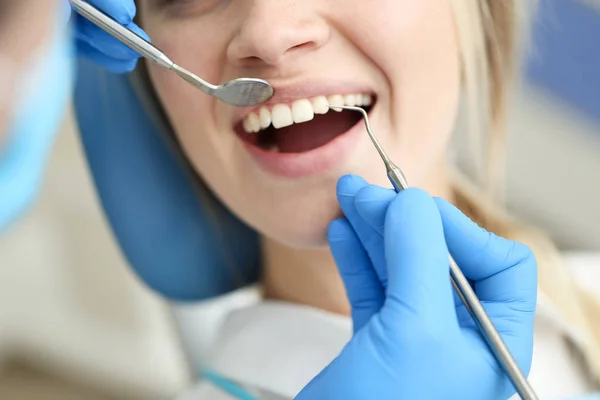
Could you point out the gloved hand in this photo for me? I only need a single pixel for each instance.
(413, 339)
(100, 47)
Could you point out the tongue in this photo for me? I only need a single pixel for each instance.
(299, 138)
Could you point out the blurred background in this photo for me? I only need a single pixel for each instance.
(85, 328)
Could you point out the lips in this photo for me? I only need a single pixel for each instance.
(302, 137)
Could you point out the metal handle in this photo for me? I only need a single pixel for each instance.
(491, 335)
(482, 320)
(128, 37)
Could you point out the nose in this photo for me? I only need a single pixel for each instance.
(277, 31)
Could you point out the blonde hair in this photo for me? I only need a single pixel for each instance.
(487, 31)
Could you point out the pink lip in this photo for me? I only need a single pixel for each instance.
(310, 163)
(288, 93)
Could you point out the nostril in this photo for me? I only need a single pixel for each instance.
(273, 42)
(252, 61)
(304, 46)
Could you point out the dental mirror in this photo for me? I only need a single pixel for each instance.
(241, 92)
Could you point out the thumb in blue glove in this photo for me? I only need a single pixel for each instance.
(411, 340)
(100, 47)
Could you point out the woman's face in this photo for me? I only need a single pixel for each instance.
(400, 56)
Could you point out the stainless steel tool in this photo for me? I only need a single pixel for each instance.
(239, 92)
(459, 282)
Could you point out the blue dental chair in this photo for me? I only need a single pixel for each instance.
(178, 239)
(176, 236)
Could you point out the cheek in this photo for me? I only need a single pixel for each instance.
(192, 117)
(191, 112)
(178, 96)
(198, 44)
(184, 106)
(418, 52)
(184, 42)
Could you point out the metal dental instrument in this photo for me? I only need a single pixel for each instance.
(460, 283)
(239, 92)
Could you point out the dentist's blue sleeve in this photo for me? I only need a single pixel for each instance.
(181, 243)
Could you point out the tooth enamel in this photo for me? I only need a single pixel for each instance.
(253, 123)
(265, 118)
(360, 100)
(349, 100)
(247, 125)
(320, 105)
(302, 111)
(336, 101)
(281, 116)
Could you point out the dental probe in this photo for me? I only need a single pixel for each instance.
(460, 282)
(239, 92)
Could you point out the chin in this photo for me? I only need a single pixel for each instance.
(306, 228)
(308, 237)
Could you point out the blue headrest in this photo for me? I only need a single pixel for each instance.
(181, 241)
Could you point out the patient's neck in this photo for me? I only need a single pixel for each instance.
(303, 276)
(311, 277)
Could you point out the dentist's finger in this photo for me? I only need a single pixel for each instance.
(365, 293)
(372, 203)
(505, 275)
(121, 11)
(417, 259)
(503, 270)
(347, 188)
(105, 43)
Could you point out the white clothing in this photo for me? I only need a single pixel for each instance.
(281, 346)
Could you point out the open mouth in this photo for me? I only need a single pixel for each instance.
(302, 126)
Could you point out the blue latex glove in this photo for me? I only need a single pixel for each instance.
(95, 44)
(412, 338)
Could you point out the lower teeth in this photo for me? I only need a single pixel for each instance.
(273, 148)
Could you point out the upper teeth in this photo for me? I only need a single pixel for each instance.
(304, 110)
